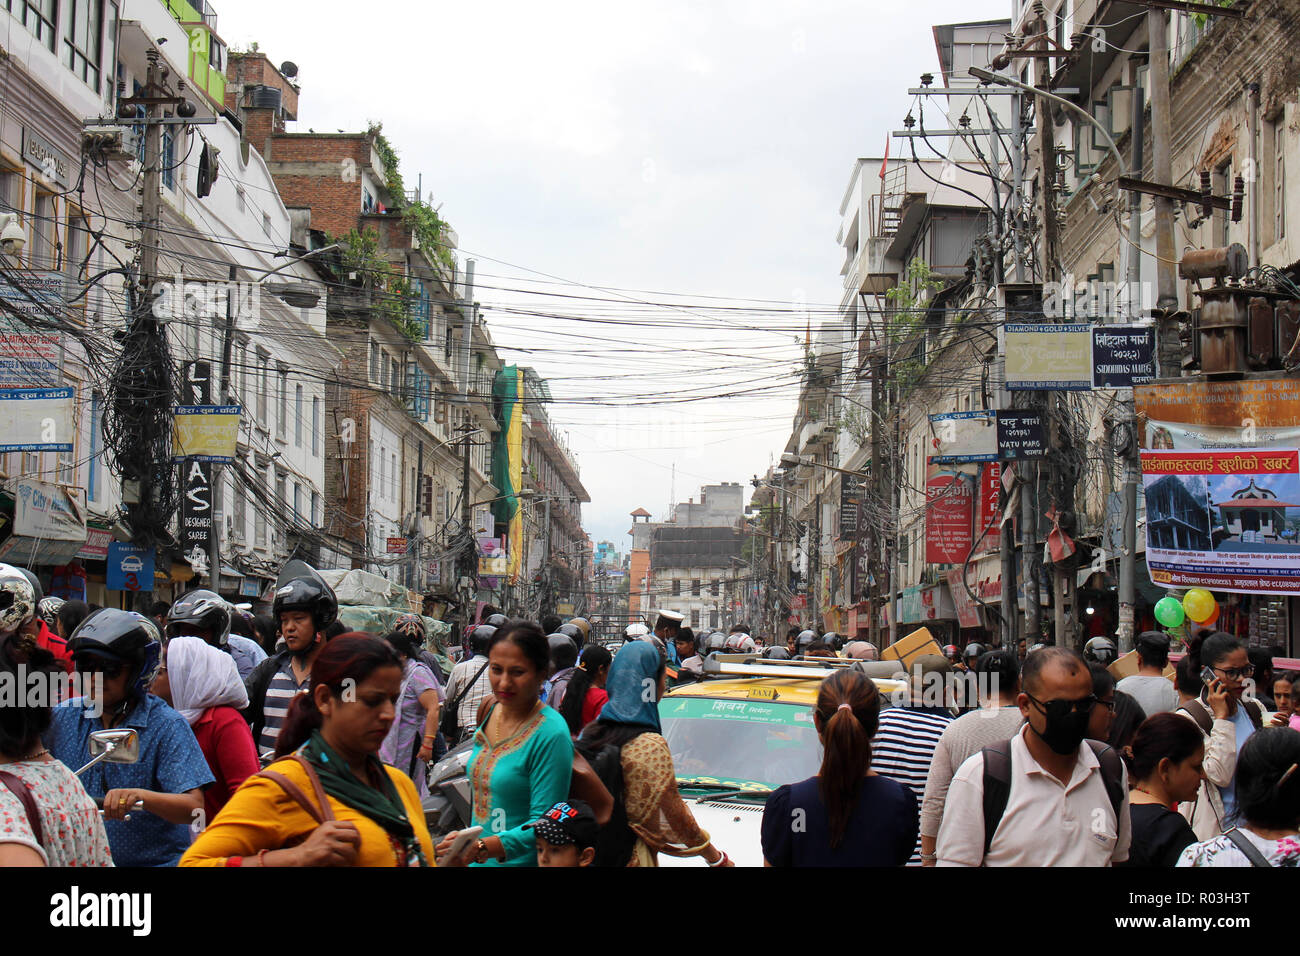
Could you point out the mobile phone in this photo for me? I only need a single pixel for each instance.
(463, 839)
(1207, 675)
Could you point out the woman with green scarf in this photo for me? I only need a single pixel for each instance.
(327, 800)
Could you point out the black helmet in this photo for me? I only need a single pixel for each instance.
(480, 639)
(805, 638)
(203, 609)
(972, 650)
(498, 620)
(301, 588)
(122, 635)
(776, 653)
(832, 640)
(717, 641)
(1101, 650)
(570, 630)
(557, 640)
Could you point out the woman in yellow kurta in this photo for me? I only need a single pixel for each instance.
(329, 801)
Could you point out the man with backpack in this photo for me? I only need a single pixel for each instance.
(1048, 796)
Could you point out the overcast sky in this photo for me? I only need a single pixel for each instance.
(683, 150)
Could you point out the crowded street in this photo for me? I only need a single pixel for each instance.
(741, 436)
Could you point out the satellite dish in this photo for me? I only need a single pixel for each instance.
(289, 68)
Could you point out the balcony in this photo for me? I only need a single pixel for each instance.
(206, 62)
(815, 433)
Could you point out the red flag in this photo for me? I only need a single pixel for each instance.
(886, 160)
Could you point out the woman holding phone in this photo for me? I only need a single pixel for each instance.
(1226, 719)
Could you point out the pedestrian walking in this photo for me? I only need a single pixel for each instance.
(997, 676)
(586, 694)
(908, 733)
(1043, 788)
(628, 725)
(412, 741)
(847, 815)
(1165, 769)
(1227, 719)
(1149, 687)
(46, 816)
(523, 755)
(1264, 829)
(201, 683)
(327, 799)
(468, 686)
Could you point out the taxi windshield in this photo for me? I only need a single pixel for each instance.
(749, 744)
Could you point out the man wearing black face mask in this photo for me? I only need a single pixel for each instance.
(1046, 797)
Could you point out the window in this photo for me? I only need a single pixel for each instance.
(374, 361)
(76, 245)
(297, 415)
(713, 587)
(9, 180)
(281, 427)
(695, 617)
(81, 39)
(315, 426)
(713, 618)
(38, 18)
(240, 508)
(695, 587)
(383, 370)
(297, 501)
(281, 501)
(315, 509)
(1279, 178)
(263, 361)
(261, 528)
(96, 445)
(392, 479)
(43, 233)
(677, 587)
(396, 378)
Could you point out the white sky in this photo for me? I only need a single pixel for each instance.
(676, 148)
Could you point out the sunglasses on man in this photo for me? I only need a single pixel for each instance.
(95, 664)
(1056, 709)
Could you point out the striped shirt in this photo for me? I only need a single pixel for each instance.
(903, 748)
(467, 709)
(279, 693)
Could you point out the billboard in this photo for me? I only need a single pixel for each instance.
(949, 513)
(1046, 356)
(29, 357)
(965, 436)
(205, 432)
(1262, 412)
(36, 419)
(1227, 519)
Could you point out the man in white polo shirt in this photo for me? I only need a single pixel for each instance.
(1066, 798)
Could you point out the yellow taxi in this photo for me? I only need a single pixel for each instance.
(741, 732)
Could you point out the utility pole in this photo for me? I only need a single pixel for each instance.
(1128, 556)
(1168, 348)
(471, 543)
(875, 540)
(223, 393)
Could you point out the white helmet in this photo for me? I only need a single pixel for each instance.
(635, 631)
(17, 599)
(742, 643)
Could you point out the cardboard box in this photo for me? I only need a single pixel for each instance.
(1126, 665)
(906, 650)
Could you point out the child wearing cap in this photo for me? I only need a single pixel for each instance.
(566, 835)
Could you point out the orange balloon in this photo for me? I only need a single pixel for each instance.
(1214, 616)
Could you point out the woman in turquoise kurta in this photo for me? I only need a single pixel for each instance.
(523, 754)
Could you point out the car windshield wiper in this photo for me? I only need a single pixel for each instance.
(724, 790)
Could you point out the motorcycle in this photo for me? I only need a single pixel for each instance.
(448, 805)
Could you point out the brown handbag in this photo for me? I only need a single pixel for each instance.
(320, 814)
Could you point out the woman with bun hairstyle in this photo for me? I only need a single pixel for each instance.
(1164, 766)
(1227, 719)
(327, 800)
(847, 815)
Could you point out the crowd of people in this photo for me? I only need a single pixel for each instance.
(288, 740)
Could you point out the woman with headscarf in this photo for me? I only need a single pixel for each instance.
(629, 721)
(202, 684)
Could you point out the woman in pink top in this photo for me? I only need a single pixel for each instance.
(202, 683)
(585, 695)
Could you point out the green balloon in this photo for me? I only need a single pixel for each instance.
(1169, 612)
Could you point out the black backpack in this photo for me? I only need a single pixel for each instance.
(997, 782)
(617, 840)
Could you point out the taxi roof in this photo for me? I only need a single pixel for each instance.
(789, 690)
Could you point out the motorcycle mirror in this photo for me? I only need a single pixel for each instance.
(118, 745)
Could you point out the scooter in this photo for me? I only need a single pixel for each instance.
(114, 745)
(448, 805)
